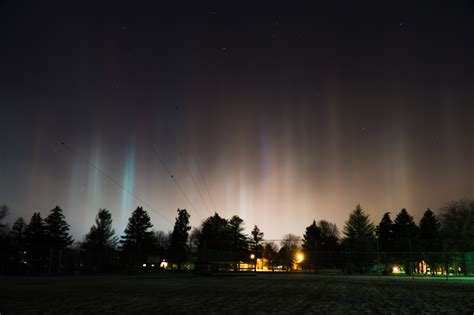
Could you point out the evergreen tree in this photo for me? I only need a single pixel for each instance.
(429, 231)
(35, 239)
(35, 230)
(429, 239)
(311, 244)
(213, 233)
(404, 231)
(100, 242)
(137, 240)
(256, 239)
(219, 238)
(18, 230)
(358, 229)
(17, 236)
(238, 240)
(404, 234)
(385, 233)
(235, 229)
(57, 229)
(179, 238)
(359, 239)
(102, 234)
(57, 237)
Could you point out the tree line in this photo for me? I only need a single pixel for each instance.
(44, 245)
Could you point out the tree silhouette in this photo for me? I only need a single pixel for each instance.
(100, 242)
(289, 249)
(385, 233)
(214, 233)
(329, 234)
(57, 229)
(4, 212)
(359, 238)
(457, 225)
(329, 244)
(429, 238)
(17, 237)
(161, 242)
(57, 236)
(270, 253)
(404, 231)
(4, 243)
(429, 231)
(179, 238)
(18, 229)
(220, 234)
(256, 239)
(137, 240)
(238, 240)
(311, 243)
(35, 239)
(404, 236)
(220, 240)
(35, 230)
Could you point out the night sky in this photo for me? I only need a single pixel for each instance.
(280, 113)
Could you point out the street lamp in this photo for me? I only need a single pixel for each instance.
(299, 258)
(252, 257)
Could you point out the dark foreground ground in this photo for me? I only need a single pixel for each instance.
(263, 293)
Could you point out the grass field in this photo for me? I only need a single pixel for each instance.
(263, 293)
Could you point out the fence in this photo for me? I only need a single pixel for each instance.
(213, 259)
(342, 262)
(408, 263)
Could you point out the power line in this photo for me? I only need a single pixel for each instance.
(197, 160)
(194, 182)
(176, 182)
(71, 150)
(188, 171)
(199, 169)
(190, 174)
